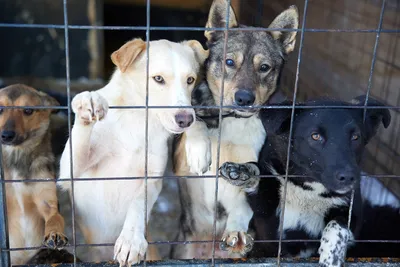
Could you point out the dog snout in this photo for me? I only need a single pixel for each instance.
(244, 98)
(184, 120)
(7, 136)
(346, 177)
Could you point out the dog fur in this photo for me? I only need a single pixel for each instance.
(257, 58)
(111, 143)
(326, 150)
(32, 207)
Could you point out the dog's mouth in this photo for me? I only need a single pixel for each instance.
(345, 190)
(176, 130)
(244, 113)
(15, 142)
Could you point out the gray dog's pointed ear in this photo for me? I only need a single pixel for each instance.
(126, 55)
(288, 19)
(200, 53)
(217, 18)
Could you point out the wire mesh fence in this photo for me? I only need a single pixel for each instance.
(74, 244)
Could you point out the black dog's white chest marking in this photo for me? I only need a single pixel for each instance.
(306, 209)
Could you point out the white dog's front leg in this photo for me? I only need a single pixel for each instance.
(198, 148)
(235, 238)
(89, 108)
(131, 244)
(333, 244)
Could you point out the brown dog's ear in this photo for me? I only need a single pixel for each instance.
(125, 56)
(217, 18)
(49, 101)
(288, 19)
(200, 53)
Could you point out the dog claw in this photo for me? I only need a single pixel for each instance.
(90, 107)
(233, 241)
(237, 242)
(55, 240)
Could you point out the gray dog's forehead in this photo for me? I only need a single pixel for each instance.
(249, 42)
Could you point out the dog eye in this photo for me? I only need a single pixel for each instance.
(316, 137)
(264, 68)
(355, 137)
(230, 62)
(159, 79)
(28, 111)
(190, 80)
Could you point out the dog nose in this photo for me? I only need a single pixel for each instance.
(184, 120)
(244, 98)
(345, 177)
(7, 136)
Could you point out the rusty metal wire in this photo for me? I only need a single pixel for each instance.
(296, 86)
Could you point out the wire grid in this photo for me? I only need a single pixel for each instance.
(4, 249)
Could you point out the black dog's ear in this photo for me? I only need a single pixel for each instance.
(374, 117)
(276, 120)
(217, 18)
(288, 19)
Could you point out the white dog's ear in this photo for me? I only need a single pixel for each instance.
(288, 19)
(125, 56)
(200, 53)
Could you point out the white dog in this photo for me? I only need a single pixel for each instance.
(111, 143)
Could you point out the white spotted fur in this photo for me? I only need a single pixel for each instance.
(333, 245)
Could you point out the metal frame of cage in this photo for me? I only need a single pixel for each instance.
(278, 261)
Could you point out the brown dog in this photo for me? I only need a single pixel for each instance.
(32, 211)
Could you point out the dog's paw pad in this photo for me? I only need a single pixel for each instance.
(237, 242)
(234, 171)
(89, 107)
(55, 240)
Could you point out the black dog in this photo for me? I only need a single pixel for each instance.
(325, 154)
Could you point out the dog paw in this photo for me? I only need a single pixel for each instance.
(242, 175)
(333, 245)
(89, 107)
(237, 242)
(198, 153)
(55, 240)
(130, 250)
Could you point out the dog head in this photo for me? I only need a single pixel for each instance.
(173, 72)
(254, 59)
(23, 126)
(327, 143)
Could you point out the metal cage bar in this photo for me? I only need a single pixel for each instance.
(159, 28)
(68, 78)
(4, 242)
(283, 202)
(226, 34)
(146, 146)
